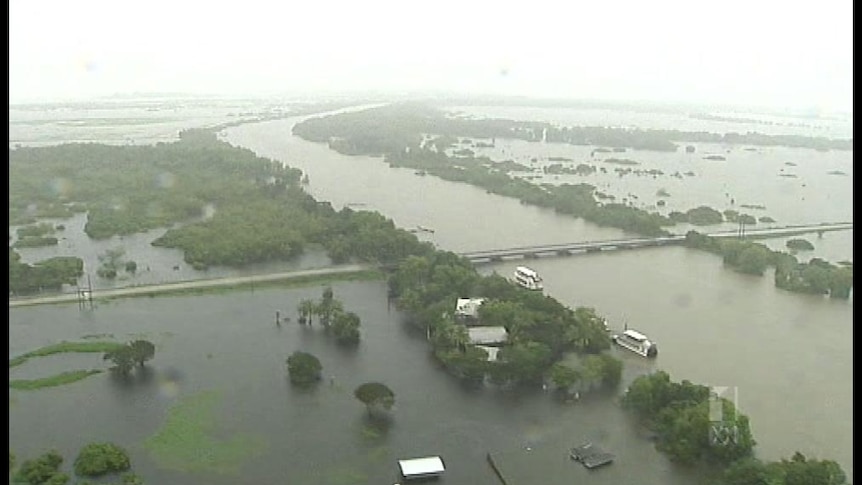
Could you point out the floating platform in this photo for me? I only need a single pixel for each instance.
(591, 456)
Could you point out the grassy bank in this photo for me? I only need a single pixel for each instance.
(64, 347)
(52, 381)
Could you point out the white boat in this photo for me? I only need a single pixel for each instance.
(636, 342)
(527, 278)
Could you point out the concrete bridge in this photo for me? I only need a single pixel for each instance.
(584, 247)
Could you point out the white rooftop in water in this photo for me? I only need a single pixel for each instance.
(418, 467)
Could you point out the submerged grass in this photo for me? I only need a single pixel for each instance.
(186, 442)
(52, 381)
(64, 347)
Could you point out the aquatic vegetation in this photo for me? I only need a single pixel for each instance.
(63, 347)
(186, 442)
(52, 381)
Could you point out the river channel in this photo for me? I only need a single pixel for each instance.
(788, 356)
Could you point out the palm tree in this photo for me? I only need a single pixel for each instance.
(306, 308)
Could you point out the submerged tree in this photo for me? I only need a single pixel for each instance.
(345, 327)
(142, 351)
(375, 395)
(97, 459)
(304, 369)
(328, 306)
(306, 308)
(123, 359)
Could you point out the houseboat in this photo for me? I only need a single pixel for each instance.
(527, 278)
(636, 342)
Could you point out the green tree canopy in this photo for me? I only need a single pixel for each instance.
(97, 459)
(303, 368)
(142, 351)
(41, 470)
(345, 327)
(564, 376)
(123, 359)
(375, 395)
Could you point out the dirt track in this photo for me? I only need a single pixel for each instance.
(183, 285)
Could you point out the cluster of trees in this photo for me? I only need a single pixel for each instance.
(799, 245)
(680, 415)
(277, 222)
(798, 470)
(304, 369)
(112, 261)
(124, 358)
(816, 276)
(128, 189)
(36, 235)
(261, 213)
(594, 370)
(695, 425)
(343, 325)
(707, 216)
(699, 216)
(49, 274)
(541, 330)
(94, 460)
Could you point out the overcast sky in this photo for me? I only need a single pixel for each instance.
(795, 54)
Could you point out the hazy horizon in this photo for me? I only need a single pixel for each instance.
(756, 53)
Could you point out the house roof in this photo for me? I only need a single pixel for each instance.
(468, 307)
(487, 335)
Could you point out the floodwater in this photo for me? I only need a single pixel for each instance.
(788, 356)
(229, 343)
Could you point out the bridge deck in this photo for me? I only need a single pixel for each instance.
(632, 243)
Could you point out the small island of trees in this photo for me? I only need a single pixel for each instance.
(690, 431)
(799, 245)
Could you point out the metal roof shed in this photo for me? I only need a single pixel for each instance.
(487, 335)
(430, 466)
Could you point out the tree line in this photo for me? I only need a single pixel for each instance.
(694, 425)
(815, 277)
